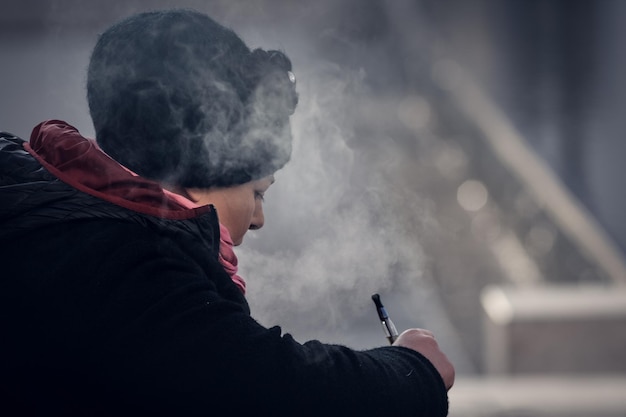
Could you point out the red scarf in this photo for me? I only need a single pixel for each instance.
(228, 259)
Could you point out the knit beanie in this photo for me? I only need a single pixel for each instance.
(180, 99)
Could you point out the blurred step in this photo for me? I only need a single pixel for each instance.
(554, 329)
(539, 396)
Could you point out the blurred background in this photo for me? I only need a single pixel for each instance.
(463, 159)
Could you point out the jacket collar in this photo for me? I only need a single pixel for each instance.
(79, 162)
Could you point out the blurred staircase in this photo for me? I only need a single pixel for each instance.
(553, 335)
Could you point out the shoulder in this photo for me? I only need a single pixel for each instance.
(96, 250)
(96, 262)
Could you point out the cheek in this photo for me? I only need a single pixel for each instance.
(258, 207)
(245, 214)
(252, 207)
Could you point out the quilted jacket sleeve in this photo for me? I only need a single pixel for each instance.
(141, 327)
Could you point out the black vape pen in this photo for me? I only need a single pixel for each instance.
(388, 326)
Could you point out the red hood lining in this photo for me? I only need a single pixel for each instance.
(80, 163)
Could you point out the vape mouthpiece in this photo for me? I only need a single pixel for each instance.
(380, 308)
(376, 299)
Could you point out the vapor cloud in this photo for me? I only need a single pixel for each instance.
(336, 228)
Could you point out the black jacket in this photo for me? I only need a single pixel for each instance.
(107, 308)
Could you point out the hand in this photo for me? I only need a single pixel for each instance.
(423, 341)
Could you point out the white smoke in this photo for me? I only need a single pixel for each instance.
(336, 228)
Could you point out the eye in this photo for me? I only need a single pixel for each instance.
(259, 195)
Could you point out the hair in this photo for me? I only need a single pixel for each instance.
(180, 99)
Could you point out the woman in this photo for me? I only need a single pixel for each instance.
(116, 302)
(240, 208)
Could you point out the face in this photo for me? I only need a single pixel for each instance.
(239, 208)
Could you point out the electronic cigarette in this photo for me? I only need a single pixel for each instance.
(388, 326)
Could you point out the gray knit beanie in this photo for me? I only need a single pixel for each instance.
(180, 99)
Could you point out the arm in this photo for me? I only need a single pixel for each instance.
(168, 340)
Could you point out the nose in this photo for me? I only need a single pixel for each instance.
(258, 218)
